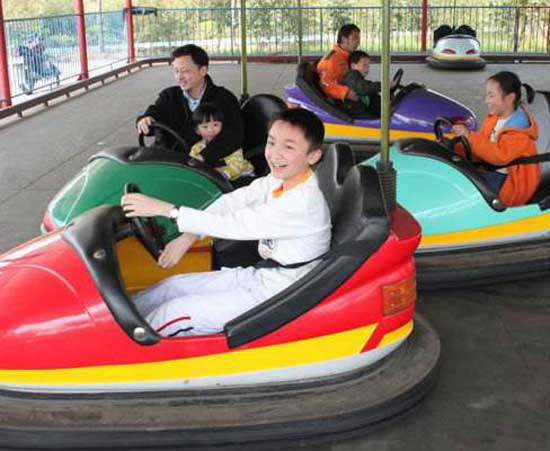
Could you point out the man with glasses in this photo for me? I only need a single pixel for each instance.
(175, 105)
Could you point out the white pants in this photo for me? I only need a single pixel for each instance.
(199, 303)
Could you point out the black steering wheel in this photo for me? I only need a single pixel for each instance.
(147, 230)
(396, 81)
(450, 143)
(158, 128)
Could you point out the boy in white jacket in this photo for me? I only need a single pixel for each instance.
(286, 211)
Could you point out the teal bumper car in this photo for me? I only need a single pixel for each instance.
(469, 237)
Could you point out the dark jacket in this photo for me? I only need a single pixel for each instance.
(355, 81)
(171, 109)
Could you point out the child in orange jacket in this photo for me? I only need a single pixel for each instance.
(507, 133)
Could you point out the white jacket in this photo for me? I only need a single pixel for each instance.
(292, 226)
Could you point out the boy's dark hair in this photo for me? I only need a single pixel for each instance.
(345, 31)
(509, 83)
(206, 112)
(356, 56)
(197, 54)
(310, 125)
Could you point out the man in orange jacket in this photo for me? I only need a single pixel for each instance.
(334, 65)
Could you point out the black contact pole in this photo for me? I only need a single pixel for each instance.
(384, 167)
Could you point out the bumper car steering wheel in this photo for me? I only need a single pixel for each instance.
(450, 143)
(147, 230)
(158, 129)
(396, 81)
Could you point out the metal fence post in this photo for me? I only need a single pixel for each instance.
(300, 32)
(321, 31)
(516, 31)
(81, 31)
(5, 94)
(130, 30)
(424, 26)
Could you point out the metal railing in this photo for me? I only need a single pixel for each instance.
(45, 51)
(274, 31)
(42, 52)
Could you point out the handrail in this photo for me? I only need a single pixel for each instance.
(83, 84)
(149, 62)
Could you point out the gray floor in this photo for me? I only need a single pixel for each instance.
(494, 387)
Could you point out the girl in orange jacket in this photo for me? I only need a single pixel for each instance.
(507, 133)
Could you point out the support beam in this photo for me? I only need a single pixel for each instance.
(5, 93)
(424, 25)
(130, 31)
(81, 31)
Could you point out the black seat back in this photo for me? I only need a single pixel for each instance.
(540, 108)
(307, 79)
(331, 172)
(466, 30)
(257, 111)
(361, 212)
(441, 32)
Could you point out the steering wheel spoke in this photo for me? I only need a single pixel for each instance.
(450, 143)
(146, 230)
(159, 129)
(396, 81)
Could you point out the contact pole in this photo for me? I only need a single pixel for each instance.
(244, 68)
(385, 79)
(5, 93)
(130, 31)
(81, 31)
(300, 32)
(384, 167)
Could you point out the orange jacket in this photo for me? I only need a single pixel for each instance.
(511, 143)
(332, 68)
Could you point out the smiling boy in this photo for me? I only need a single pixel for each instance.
(286, 211)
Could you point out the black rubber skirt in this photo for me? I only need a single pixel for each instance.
(482, 266)
(250, 418)
(469, 64)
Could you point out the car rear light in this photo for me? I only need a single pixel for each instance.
(449, 51)
(399, 296)
(472, 52)
(293, 105)
(48, 223)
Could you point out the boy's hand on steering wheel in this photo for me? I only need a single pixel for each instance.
(460, 130)
(137, 204)
(176, 249)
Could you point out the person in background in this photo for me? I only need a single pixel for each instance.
(356, 79)
(334, 65)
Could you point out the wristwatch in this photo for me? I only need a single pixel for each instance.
(174, 213)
